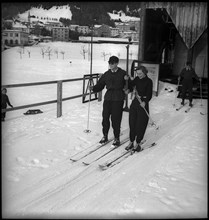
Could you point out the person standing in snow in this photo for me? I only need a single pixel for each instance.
(142, 87)
(114, 80)
(4, 102)
(187, 73)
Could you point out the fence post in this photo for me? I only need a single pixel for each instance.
(59, 99)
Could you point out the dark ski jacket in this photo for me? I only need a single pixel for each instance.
(5, 101)
(114, 83)
(188, 75)
(143, 87)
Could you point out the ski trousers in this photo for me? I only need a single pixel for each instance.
(187, 86)
(113, 110)
(138, 121)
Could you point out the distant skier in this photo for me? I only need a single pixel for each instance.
(114, 98)
(4, 102)
(142, 86)
(187, 73)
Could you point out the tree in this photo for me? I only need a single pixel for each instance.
(56, 52)
(104, 55)
(43, 52)
(20, 52)
(84, 51)
(28, 52)
(48, 52)
(63, 54)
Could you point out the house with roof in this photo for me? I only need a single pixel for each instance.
(15, 37)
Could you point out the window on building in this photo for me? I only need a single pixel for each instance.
(11, 42)
(16, 41)
(16, 35)
(11, 34)
(6, 42)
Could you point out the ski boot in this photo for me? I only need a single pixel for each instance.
(103, 140)
(137, 148)
(116, 142)
(182, 103)
(130, 146)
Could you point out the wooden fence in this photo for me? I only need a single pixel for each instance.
(59, 99)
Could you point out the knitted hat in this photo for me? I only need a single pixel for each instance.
(113, 59)
(142, 68)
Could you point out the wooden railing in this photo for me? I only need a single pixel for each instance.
(59, 99)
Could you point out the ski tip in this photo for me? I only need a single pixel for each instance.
(85, 163)
(73, 160)
(103, 167)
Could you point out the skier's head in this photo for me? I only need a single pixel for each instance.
(141, 71)
(113, 62)
(188, 63)
(4, 90)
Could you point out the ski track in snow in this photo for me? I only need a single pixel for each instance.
(80, 181)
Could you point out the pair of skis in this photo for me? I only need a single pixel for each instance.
(181, 106)
(112, 148)
(121, 158)
(80, 156)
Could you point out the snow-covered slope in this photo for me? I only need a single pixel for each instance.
(56, 12)
(123, 17)
(38, 178)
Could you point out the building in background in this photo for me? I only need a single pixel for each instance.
(15, 37)
(60, 34)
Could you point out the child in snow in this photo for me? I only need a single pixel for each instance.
(4, 102)
(138, 118)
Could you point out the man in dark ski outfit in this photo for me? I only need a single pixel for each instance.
(188, 73)
(138, 118)
(114, 80)
(4, 102)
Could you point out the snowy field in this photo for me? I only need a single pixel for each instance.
(40, 181)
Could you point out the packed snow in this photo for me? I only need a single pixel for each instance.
(39, 180)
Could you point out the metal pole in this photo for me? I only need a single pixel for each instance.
(142, 32)
(91, 49)
(127, 68)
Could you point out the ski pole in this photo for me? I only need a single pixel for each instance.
(152, 122)
(176, 91)
(87, 130)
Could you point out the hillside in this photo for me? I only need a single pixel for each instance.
(79, 13)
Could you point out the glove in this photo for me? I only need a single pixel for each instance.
(91, 88)
(126, 77)
(126, 91)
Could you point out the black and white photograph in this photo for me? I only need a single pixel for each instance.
(104, 110)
